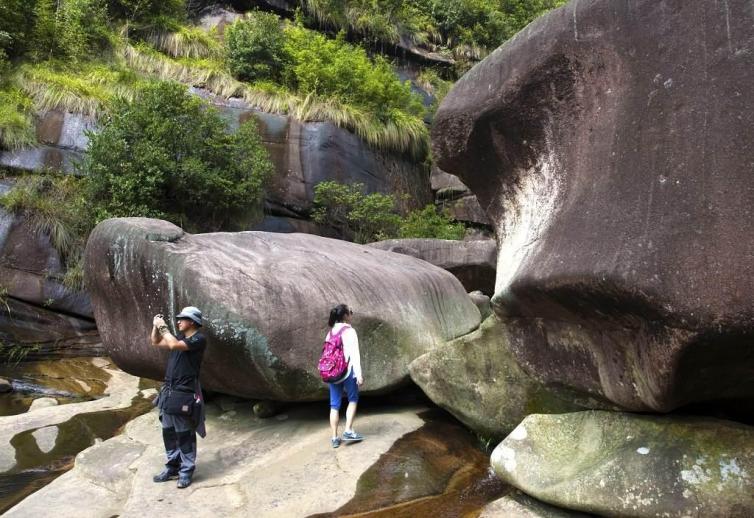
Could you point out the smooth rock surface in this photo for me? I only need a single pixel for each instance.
(482, 302)
(476, 378)
(610, 145)
(121, 389)
(521, 505)
(266, 299)
(43, 402)
(472, 262)
(619, 464)
(244, 464)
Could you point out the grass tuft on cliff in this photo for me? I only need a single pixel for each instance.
(16, 121)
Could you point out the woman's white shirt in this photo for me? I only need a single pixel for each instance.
(350, 348)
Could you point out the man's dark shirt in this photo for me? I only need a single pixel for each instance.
(183, 366)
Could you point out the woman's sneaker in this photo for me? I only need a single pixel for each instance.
(352, 436)
(335, 441)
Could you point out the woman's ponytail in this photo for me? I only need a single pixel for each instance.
(337, 313)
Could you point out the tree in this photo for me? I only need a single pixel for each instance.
(169, 155)
(256, 47)
(365, 217)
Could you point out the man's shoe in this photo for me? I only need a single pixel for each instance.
(352, 436)
(165, 476)
(183, 482)
(335, 441)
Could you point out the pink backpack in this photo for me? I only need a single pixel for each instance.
(332, 364)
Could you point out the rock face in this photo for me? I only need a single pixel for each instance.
(62, 140)
(617, 464)
(472, 262)
(305, 154)
(476, 379)
(520, 505)
(453, 195)
(610, 144)
(266, 299)
(37, 310)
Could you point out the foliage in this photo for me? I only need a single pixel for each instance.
(433, 84)
(186, 42)
(74, 29)
(170, 156)
(367, 217)
(148, 14)
(88, 88)
(54, 205)
(16, 122)
(470, 28)
(334, 68)
(430, 223)
(394, 131)
(373, 217)
(256, 47)
(16, 26)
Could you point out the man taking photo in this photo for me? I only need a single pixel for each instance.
(180, 400)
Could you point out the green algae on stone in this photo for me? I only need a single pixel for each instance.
(477, 379)
(614, 463)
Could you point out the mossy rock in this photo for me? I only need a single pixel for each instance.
(476, 378)
(620, 464)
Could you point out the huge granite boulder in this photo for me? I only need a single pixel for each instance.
(610, 145)
(476, 378)
(472, 262)
(619, 464)
(266, 299)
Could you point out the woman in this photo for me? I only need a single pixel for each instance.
(339, 322)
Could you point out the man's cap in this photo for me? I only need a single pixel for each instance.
(192, 313)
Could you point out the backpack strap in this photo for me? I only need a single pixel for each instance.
(340, 332)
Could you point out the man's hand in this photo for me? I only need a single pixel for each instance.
(359, 381)
(158, 321)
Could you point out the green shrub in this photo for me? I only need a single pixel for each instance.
(148, 14)
(430, 223)
(16, 26)
(169, 155)
(333, 68)
(256, 47)
(364, 217)
(373, 217)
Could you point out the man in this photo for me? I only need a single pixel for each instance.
(177, 400)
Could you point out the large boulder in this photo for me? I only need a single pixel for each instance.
(266, 298)
(476, 378)
(618, 464)
(610, 144)
(472, 262)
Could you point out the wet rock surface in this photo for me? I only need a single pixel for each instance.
(619, 464)
(58, 409)
(473, 263)
(601, 144)
(279, 467)
(520, 505)
(476, 378)
(266, 298)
